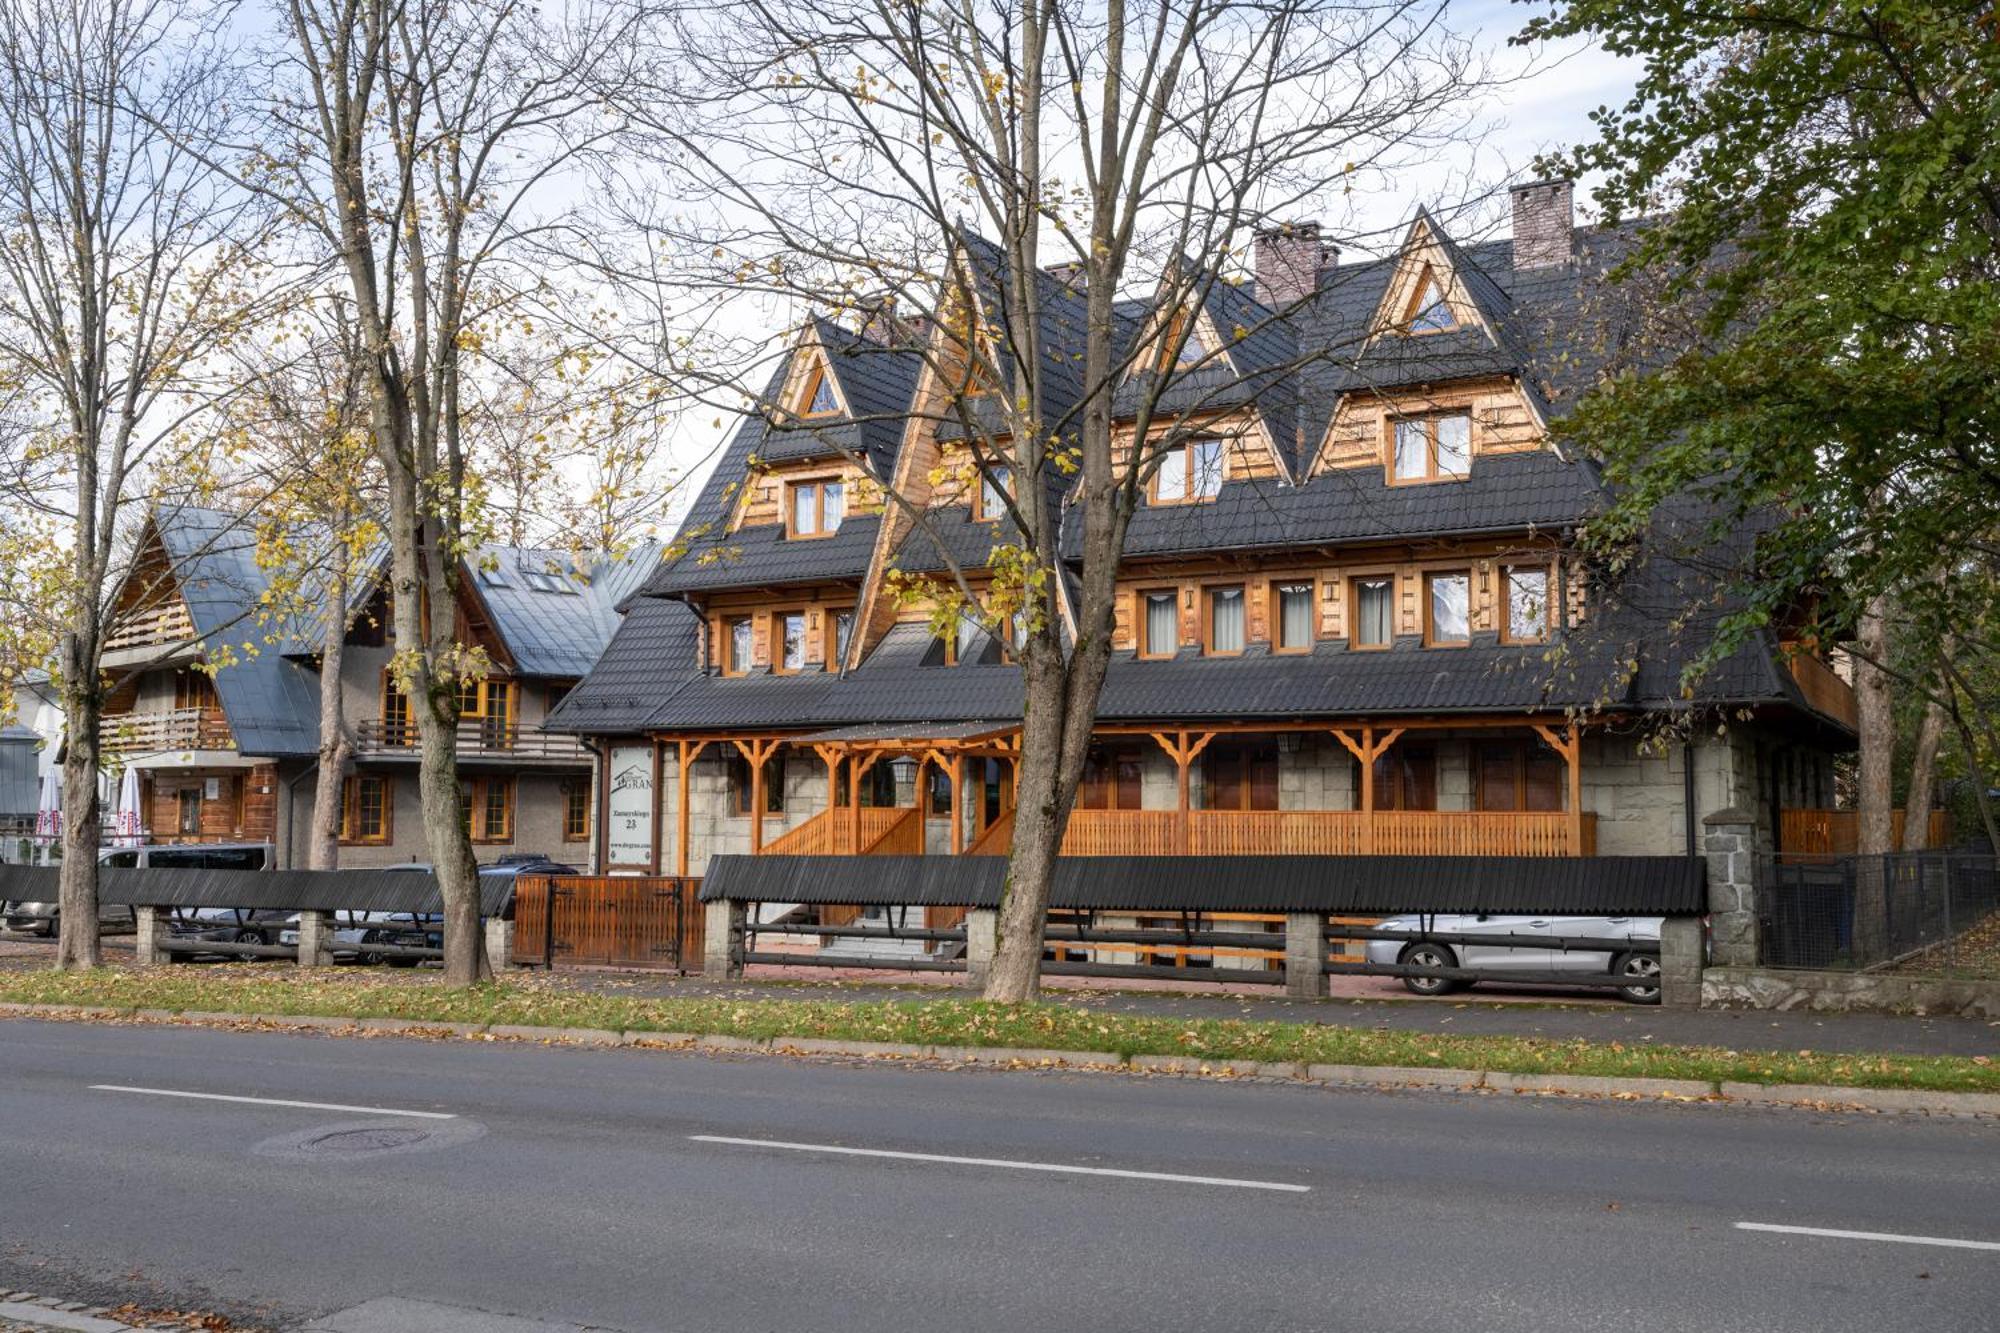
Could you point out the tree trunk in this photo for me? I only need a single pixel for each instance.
(1015, 975)
(1875, 795)
(335, 748)
(1875, 792)
(1923, 776)
(77, 943)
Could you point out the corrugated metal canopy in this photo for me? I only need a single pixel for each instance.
(283, 890)
(1571, 886)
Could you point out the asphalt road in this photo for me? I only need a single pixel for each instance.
(567, 1185)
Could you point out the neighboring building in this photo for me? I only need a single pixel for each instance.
(221, 721)
(1352, 613)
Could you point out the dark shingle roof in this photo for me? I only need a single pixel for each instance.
(272, 702)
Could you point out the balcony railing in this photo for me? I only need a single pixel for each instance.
(1312, 833)
(176, 729)
(1823, 687)
(156, 627)
(478, 738)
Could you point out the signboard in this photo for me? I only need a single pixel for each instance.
(630, 807)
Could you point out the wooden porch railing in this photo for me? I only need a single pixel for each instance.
(1325, 833)
(831, 832)
(1838, 832)
(172, 729)
(997, 840)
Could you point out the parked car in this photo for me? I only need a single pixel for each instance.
(355, 934)
(511, 868)
(1631, 949)
(42, 917)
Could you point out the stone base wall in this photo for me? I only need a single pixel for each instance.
(1846, 992)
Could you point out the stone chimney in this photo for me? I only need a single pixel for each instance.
(1291, 259)
(1544, 223)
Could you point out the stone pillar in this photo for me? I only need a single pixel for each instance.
(982, 939)
(1681, 962)
(1305, 955)
(315, 939)
(499, 943)
(1729, 841)
(152, 933)
(722, 936)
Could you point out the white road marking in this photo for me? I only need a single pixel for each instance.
(273, 1101)
(1010, 1165)
(1892, 1237)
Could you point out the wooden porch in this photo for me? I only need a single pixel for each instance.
(981, 827)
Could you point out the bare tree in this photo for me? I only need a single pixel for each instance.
(127, 265)
(942, 160)
(318, 524)
(423, 145)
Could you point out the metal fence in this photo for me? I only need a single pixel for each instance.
(1927, 912)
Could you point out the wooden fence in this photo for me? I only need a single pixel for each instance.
(651, 921)
(1325, 833)
(1838, 832)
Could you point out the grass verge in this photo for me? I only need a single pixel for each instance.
(954, 1022)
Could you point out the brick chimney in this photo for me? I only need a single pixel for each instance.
(875, 318)
(1544, 223)
(1290, 260)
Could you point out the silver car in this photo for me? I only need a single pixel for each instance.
(1631, 949)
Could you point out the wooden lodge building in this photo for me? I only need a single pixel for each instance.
(219, 710)
(1352, 613)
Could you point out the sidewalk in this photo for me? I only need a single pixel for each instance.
(1554, 1015)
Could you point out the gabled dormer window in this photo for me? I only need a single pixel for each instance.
(1430, 448)
(1429, 312)
(1181, 349)
(819, 400)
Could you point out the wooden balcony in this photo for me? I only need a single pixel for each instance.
(174, 729)
(1310, 833)
(377, 738)
(1824, 689)
(160, 626)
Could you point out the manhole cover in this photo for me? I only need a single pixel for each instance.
(358, 1141)
(346, 1141)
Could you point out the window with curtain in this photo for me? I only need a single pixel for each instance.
(737, 639)
(1450, 608)
(1432, 448)
(1162, 626)
(1374, 612)
(1519, 775)
(1527, 604)
(791, 654)
(1170, 482)
(995, 485)
(1225, 620)
(1295, 617)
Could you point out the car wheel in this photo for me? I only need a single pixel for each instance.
(48, 930)
(1428, 955)
(1643, 970)
(367, 959)
(251, 937)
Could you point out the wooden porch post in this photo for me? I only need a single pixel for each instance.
(1366, 751)
(957, 805)
(757, 750)
(1570, 746)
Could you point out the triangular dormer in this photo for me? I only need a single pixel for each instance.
(1427, 293)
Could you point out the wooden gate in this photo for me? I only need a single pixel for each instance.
(609, 921)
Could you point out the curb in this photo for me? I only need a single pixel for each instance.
(24, 1307)
(1803, 1095)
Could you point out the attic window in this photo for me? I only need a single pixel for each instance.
(492, 578)
(819, 398)
(1182, 349)
(1429, 312)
